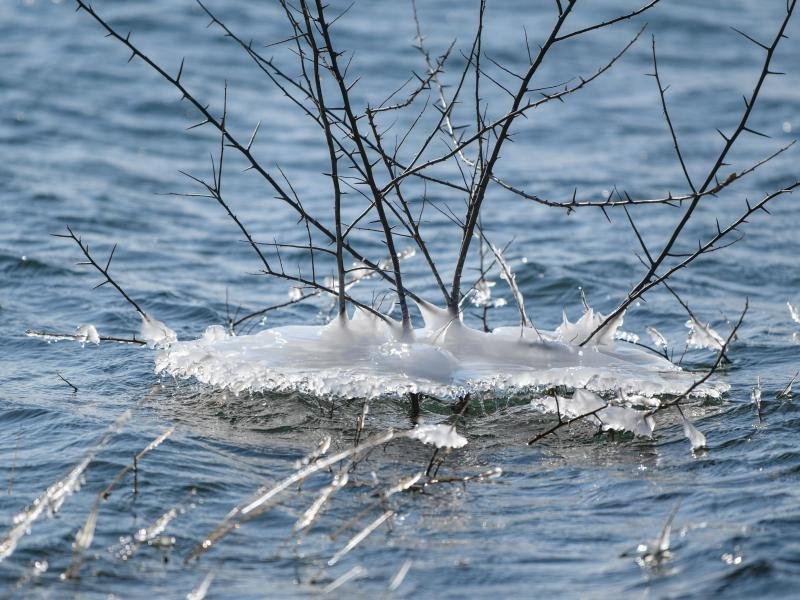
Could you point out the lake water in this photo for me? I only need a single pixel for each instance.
(90, 142)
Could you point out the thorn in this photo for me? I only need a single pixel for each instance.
(197, 125)
(723, 135)
(180, 71)
(110, 256)
(754, 132)
(756, 42)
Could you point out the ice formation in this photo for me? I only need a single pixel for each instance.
(697, 439)
(366, 356)
(702, 336)
(441, 436)
(155, 334)
(659, 341)
(87, 334)
(794, 312)
(596, 410)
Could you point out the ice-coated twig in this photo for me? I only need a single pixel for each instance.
(55, 336)
(359, 537)
(712, 369)
(511, 279)
(566, 423)
(700, 335)
(354, 573)
(786, 392)
(399, 577)
(85, 535)
(312, 512)
(152, 535)
(199, 593)
(402, 485)
(698, 439)
(55, 495)
(263, 498)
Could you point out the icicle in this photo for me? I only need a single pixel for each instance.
(697, 439)
(755, 396)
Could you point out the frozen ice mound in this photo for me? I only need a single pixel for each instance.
(366, 357)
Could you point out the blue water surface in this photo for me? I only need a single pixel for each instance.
(92, 142)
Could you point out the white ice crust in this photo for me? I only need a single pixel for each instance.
(367, 357)
(441, 436)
